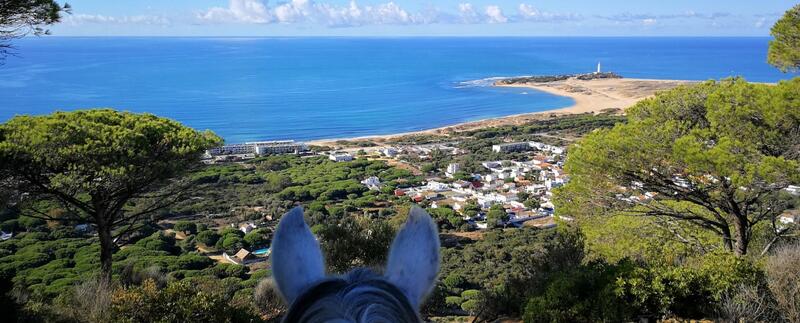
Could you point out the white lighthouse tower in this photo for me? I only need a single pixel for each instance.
(598, 68)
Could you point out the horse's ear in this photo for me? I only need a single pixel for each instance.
(414, 257)
(296, 258)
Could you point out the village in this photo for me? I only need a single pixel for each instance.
(522, 188)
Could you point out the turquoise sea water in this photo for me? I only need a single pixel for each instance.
(311, 88)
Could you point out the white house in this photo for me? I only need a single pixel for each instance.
(389, 152)
(242, 257)
(511, 147)
(452, 169)
(373, 183)
(341, 157)
(536, 189)
(437, 186)
(247, 227)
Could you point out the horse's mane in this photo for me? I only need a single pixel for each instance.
(360, 296)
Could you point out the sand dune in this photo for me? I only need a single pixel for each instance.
(601, 94)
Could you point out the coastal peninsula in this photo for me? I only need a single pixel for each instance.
(606, 93)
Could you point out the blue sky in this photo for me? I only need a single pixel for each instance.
(421, 18)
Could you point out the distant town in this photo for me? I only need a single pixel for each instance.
(509, 183)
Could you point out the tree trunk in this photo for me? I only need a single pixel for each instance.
(106, 249)
(727, 240)
(742, 236)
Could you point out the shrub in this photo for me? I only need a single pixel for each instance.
(471, 294)
(268, 300)
(453, 301)
(207, 237)
(185, 227)
(454, 280)
(783, 279)
(471, 306)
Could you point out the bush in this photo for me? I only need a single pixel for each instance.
(453, 301)
(193, 262)
(783, 279)
(470, 294)
(268, 300)
(178, 302)
(257, 238)
(471, 306)
(587, 293)
(454, 280)
(185, 227)
(230, 243)
(207, 237)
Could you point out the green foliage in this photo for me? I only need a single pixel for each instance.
(446, 217)
(501, 257)
(470, 294)
(496, 216)
(454, 301)
(618, 236)
(104, 164)
(584, 294)
(470, 306)
(454, 280)
(784, 49)
(276, 183)
(257, 238)
(30, 223)
(231, 243)
(532, 203)
(19, 18)
(689, 290)
(716, 155)
(185, 226)
(355, 242)
(207, 237)
(180, 302)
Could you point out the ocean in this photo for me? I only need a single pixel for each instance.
(248, 89)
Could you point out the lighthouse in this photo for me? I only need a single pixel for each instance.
(598, 68)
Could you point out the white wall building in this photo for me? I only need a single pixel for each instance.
(340, 157)
(511, 147)
(389, 152)
(452, 169)
(373, 183)
(247, 228)
(437, 186)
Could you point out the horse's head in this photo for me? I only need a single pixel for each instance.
(361, 295)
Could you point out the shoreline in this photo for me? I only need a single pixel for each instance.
(589, 96)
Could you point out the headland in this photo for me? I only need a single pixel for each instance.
(591, 93)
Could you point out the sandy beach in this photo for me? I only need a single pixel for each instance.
(590, 96)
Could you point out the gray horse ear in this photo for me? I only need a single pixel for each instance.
(296, 257)
(414, 257)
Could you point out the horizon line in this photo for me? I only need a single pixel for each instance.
(389, 36)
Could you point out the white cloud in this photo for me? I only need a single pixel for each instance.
(641, 17)
(468, 14)
(528, 12)
(247, 11)
(301, 11)
(495, 15)
(649, 21)
(80, 19)
(353, 14)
